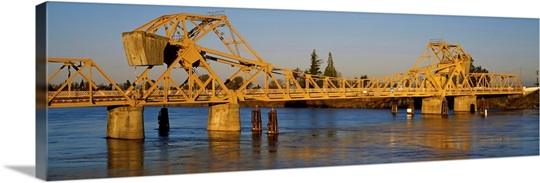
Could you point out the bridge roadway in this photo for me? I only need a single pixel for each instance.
(173, 40)
(156, 98)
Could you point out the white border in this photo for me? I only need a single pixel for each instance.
(18, 104)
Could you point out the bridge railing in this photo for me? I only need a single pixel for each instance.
(498, 84)
(90, 94)
(495, 83)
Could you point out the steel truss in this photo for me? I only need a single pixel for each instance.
(441, 70)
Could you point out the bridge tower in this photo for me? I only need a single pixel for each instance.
(175, 41)
(445, 68)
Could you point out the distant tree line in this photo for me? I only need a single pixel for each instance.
(314, 70)
(79, 86)
(83, 85)
(476, 69)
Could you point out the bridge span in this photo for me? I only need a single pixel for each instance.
(173, 41)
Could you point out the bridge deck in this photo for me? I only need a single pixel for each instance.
(158, 97)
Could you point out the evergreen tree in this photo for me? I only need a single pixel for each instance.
(75, 86)
(299, 76)
(126, 85)
(314, 68)
(81, 87)
(330, 70)
(364, 77)
(365, 82)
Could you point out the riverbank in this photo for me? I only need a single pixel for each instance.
(515, 102)
(530, 101)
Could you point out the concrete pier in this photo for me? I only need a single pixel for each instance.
(465, 104)
(224, 117)
(125, 122)
(432, 105)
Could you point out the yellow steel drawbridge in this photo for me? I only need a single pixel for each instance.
(173, 40)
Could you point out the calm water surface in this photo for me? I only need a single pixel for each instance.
(308, 137)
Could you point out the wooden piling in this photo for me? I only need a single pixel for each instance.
(272, 127)
(482, 106)
(394, 108)
(410, 108)
(163, 121)
(256, 121)
(445, 110)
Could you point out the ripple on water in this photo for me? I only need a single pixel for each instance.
(308, 138)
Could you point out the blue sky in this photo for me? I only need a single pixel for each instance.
(374, 44)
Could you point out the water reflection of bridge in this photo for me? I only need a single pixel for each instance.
(424, 139)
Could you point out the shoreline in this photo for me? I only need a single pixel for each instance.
(530, 101)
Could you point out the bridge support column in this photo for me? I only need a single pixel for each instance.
(432, 105)
(410, 109)
(465, 104)
(394, 108)
(125, 122)
(445, 112)
(256, 120)
(272, 126)
(163, 122)
(224, 117)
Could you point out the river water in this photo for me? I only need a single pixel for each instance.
(309, 137)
